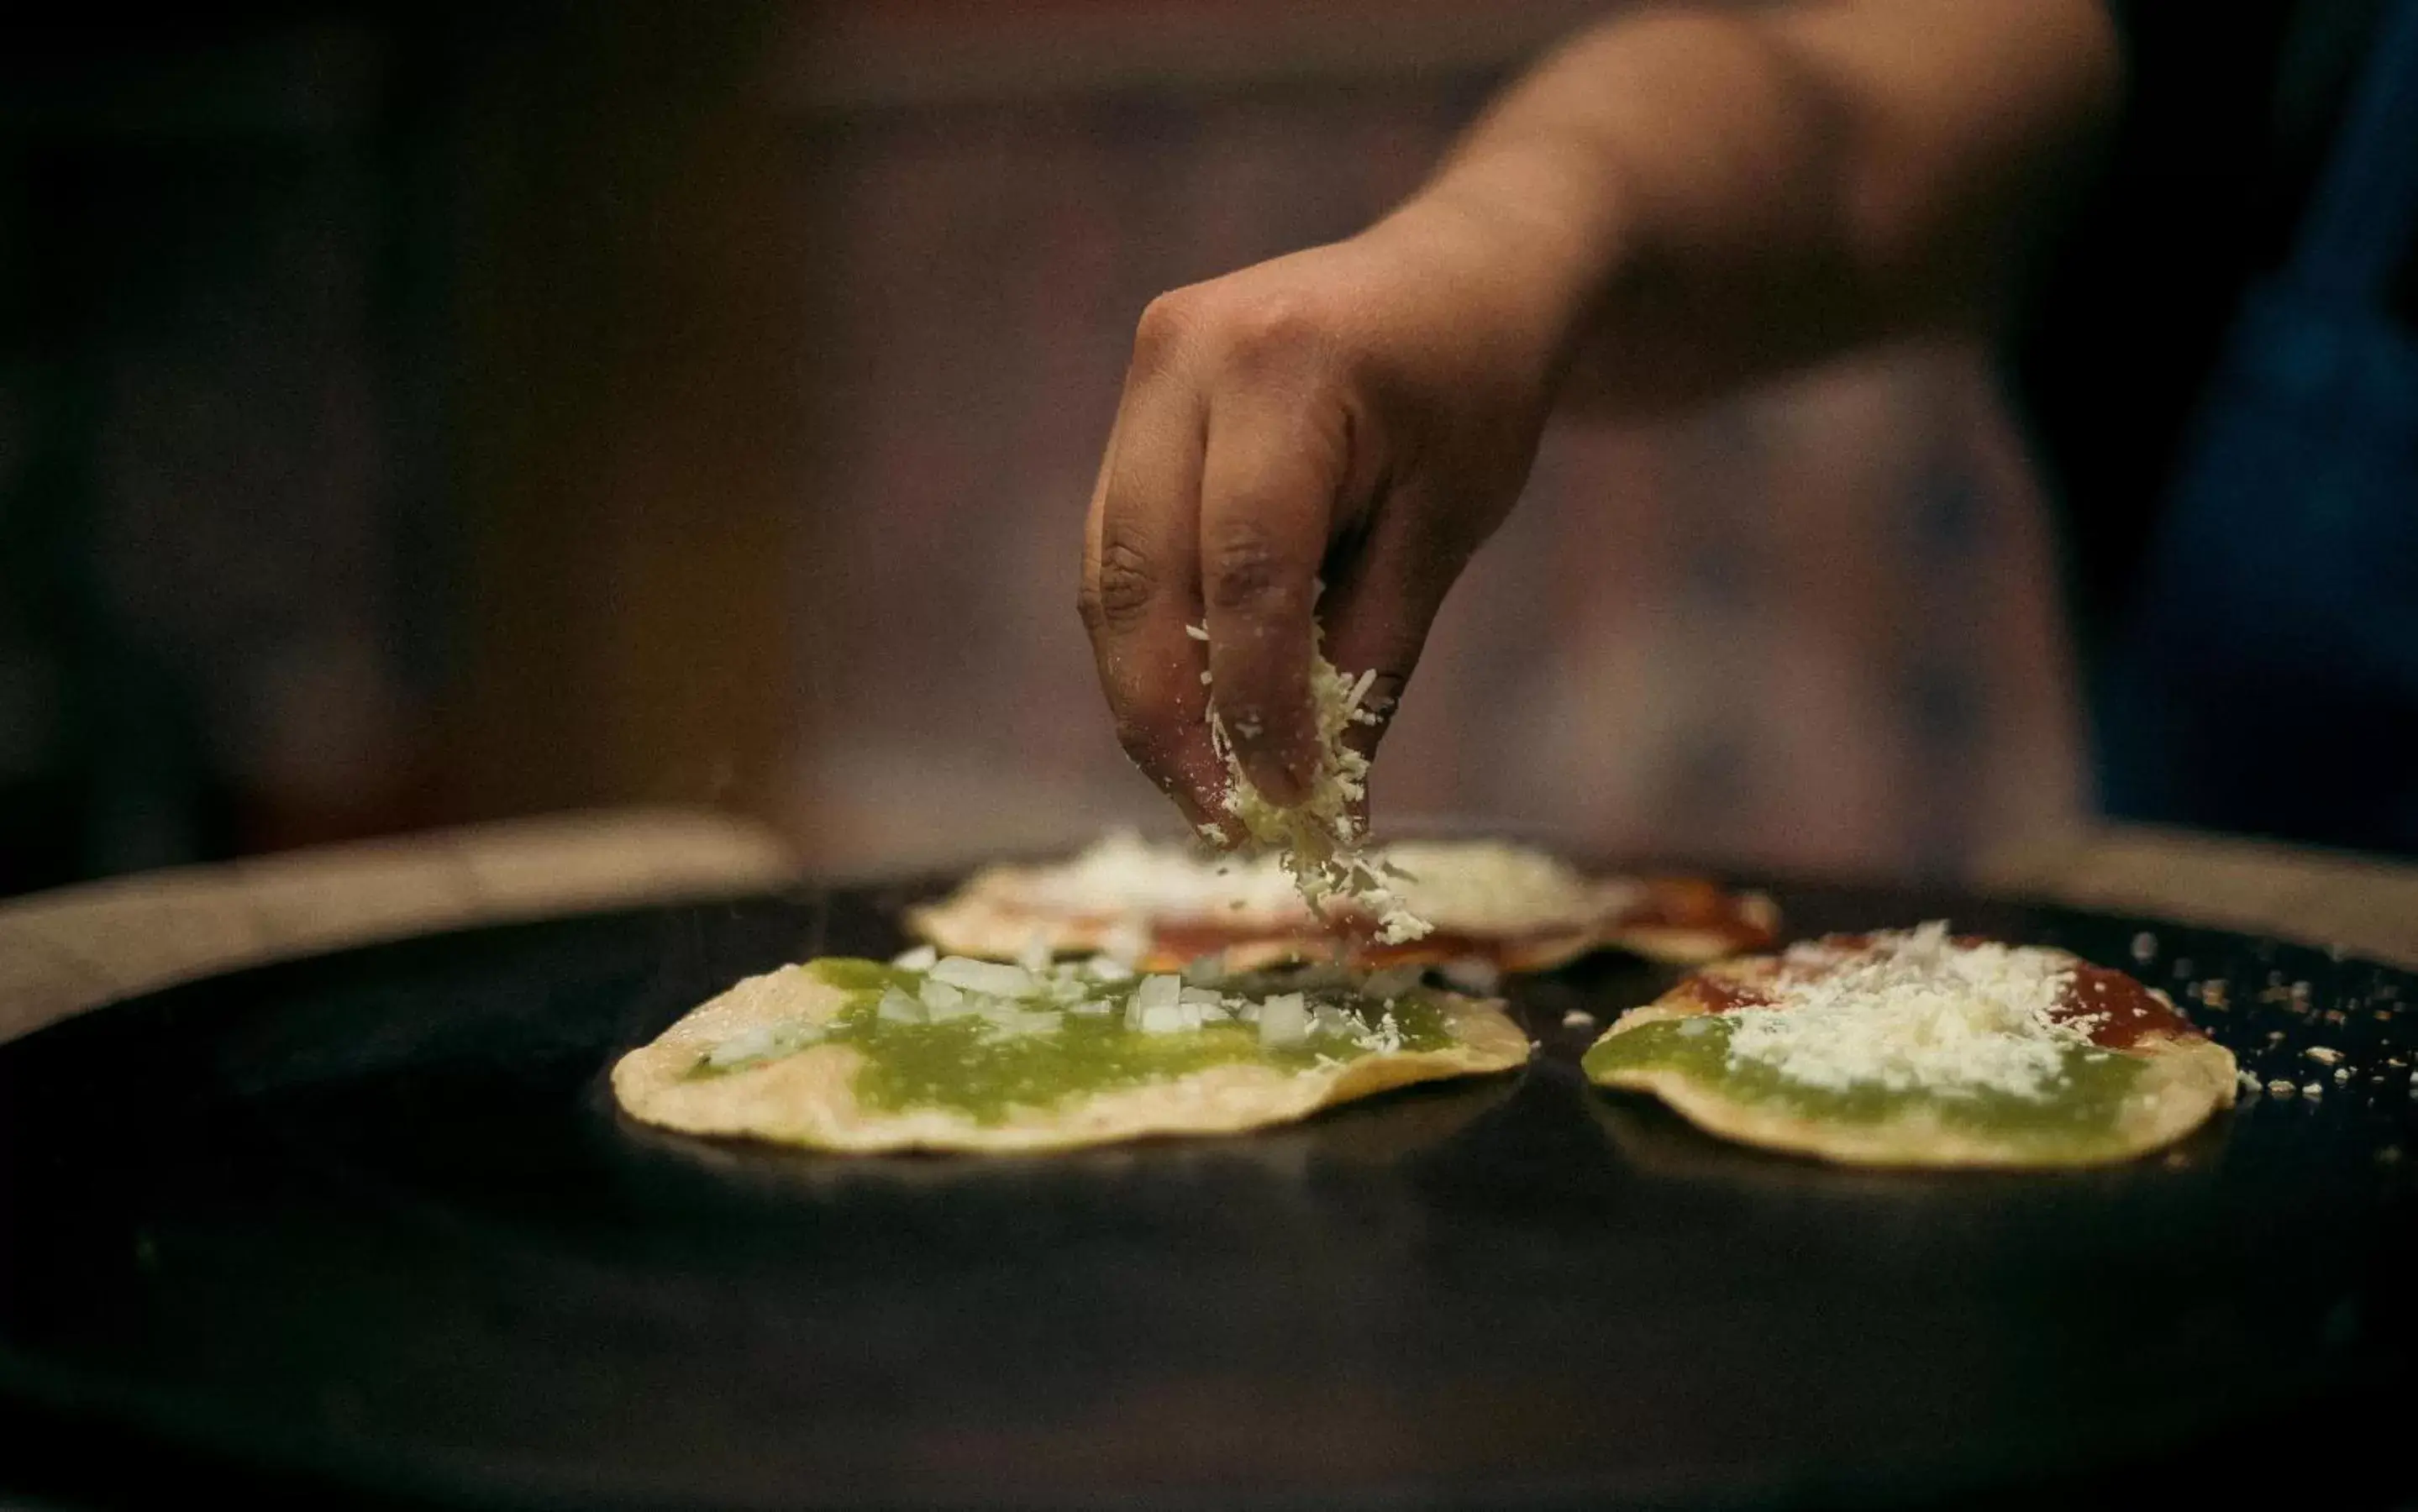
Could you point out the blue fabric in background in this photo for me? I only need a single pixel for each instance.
(2267, 679)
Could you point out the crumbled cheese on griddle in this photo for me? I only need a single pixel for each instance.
(2324, 1055)
(1489, 887)
(1123, 875)
(1477, 886)
(1318, 840)
(1915, 1011)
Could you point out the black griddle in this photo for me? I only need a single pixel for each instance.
(367, 1229)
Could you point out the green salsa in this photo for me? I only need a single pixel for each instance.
(851, 975)
(965, 1064)
(2086, 1101)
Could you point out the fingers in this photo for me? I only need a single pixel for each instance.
(1140, 589)
(1274, 467)
(1383, 595)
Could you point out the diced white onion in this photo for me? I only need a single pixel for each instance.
(1035, 957)
(1284, 1019)
(1162, 1018)
(997, 978)
(941, 998)
(895, 1007)
(918, 959)
(746, 1045)
(1160, 992)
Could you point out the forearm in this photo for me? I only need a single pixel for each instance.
(1695, 196)
(1317, 443)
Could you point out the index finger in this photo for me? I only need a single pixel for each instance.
(1140, 591)
(1267, 500)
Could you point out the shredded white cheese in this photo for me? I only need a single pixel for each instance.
(1915, 1011)
(1477, 887)
(1318, 840)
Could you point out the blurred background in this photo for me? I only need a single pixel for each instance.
(416, 415)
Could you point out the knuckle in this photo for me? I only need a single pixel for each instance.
(1165, 326)
(1242, 567)
(1272, 333)
(1243, 329)
(1121, 595)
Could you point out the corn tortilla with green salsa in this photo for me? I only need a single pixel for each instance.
(951, 1053)
(1916, 1047)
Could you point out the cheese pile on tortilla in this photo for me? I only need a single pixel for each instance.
(951, 1053)
(1502, 907)
(1318, 841)
(1918, 1048)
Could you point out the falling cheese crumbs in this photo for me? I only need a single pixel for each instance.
(1318, 840)
(1917, 1011)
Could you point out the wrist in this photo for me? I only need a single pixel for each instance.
(1542, 226)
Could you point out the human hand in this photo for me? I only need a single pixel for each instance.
(1362, 413)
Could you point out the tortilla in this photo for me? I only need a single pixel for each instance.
(809, 1059)
(1510, 908)
(1916, 1048)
